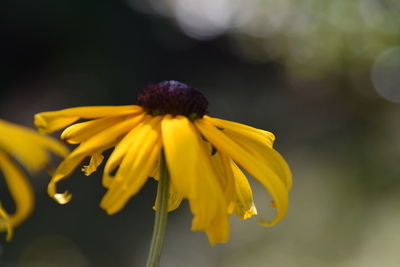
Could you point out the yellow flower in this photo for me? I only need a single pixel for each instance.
(203, 155)
(30, 149)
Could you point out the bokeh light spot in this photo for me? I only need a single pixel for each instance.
(386, 74)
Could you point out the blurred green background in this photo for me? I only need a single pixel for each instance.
(322, 75)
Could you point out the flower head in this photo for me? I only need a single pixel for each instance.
(203, 155)
(31, 150)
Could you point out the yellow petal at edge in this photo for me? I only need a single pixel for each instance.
(225, 176)
(258, 169)
(50, 121)
(80, 132)
(193, 175)
(120, 151)
(181, 149)
(174, 199)
(97, 144)
(20, 190)
(27, 146)
(213, 192)
(135, 167)
(5, 224)
(244, 207)
(95, 162)
(218, 231)
(260, 135)
(250, 140)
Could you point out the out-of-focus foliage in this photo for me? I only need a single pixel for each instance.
(312, 37)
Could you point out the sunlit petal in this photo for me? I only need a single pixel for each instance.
(135, 167)
(48, 122)
(181, 147)
(254, 141)
(192, 172)
(232, 128)
(225, 177)
(80, 132)
(218, 230)
(120, 151)
(95, 162)
(174, 199)
(209, 207)
(97, 144)
(259, 169)
(244, 207)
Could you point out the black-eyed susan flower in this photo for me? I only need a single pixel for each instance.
(32, 151)
(203, 155)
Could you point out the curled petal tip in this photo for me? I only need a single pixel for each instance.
(268, 224)
(62, 198)
(250, 213)
(40, 123)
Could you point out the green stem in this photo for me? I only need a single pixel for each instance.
(160, 221)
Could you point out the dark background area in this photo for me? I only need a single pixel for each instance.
(322, 75)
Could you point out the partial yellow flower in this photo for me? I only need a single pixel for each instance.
(203, 155)
(31, 150)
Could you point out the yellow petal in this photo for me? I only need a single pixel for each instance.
(27, 146)
(209, 204)
(174, 199)
(181, 146)
(244, 207)
(20, 191)
(48, 122)
(119, 152)
(249, 139)
(95, 162)
(231, 127)
(191, 170)
(259, 168)
(218, 230)
(155, 173)
(80, 132)
(222, 165)
(5, 223)
(97, 144)
(136, 165)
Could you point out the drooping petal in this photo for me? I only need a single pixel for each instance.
(174, 199)
(210, 205)
(119, 152)
(136, 165)
(254, 141)
(231, 127)
(222, 165)
(48, 122)
(20, 191)
(218, 230)
(5, 223)
(258, 167)
(191, 170)
(80, 132)
(155, 173)
(181, 146)
(95, 161)
(27, 146)
(244, 207)
(97, 144)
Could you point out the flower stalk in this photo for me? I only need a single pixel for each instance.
(161, 216)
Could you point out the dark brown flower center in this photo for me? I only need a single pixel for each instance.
(175, 98)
